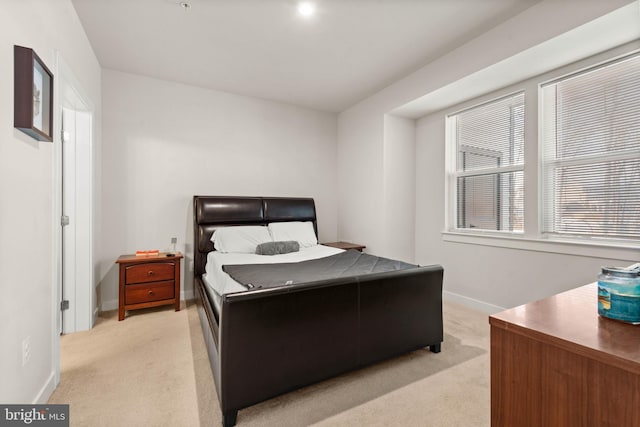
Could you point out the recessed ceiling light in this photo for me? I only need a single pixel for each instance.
(186, 6)
(306, 8)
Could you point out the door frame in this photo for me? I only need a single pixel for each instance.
(70, 94)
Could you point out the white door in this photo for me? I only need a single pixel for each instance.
(78, 291)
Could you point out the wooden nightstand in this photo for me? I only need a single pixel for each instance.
(148, 281)
(345, 245)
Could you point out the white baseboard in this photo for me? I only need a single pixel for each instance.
(113, 304)
(475, 304)
(46, 391)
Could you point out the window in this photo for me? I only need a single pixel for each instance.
(580, 165)
(591, 152)
(488, 178)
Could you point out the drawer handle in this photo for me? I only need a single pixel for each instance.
(150, 292)
(150, 272)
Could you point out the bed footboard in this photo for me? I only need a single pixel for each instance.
(400, 312)
(276, 340)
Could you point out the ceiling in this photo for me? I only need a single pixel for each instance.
(347, 51)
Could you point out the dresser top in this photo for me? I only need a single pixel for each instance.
(570, 320)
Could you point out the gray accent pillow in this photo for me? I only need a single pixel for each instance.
(276, 248)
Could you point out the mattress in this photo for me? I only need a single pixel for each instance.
(219, 283)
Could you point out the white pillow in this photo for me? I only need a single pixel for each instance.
(301, 232)
(240, 239)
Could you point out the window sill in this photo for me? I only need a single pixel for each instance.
(628, 252)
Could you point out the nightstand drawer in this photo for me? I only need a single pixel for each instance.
(150, 272)
(147, 292)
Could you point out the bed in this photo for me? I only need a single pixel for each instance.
(263, 342)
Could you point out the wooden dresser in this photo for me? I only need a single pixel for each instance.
(148, 281)
(555, 362)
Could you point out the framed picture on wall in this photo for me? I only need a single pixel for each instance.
(32, 95)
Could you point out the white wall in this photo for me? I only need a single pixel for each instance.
(166, 142)
(27, 192)
(399, 174)
(362, 144)
(360, 178)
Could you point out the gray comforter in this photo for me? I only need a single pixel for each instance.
(345, 264)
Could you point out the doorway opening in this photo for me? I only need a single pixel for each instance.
(76, 295)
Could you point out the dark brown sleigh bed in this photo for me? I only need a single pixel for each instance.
(266, 342)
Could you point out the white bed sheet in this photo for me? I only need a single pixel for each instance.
(219, 283)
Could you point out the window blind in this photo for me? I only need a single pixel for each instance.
(591, 152)
(489, 177)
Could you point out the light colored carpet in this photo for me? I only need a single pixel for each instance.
(152, 369)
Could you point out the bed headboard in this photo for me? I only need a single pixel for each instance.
(211, 212)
